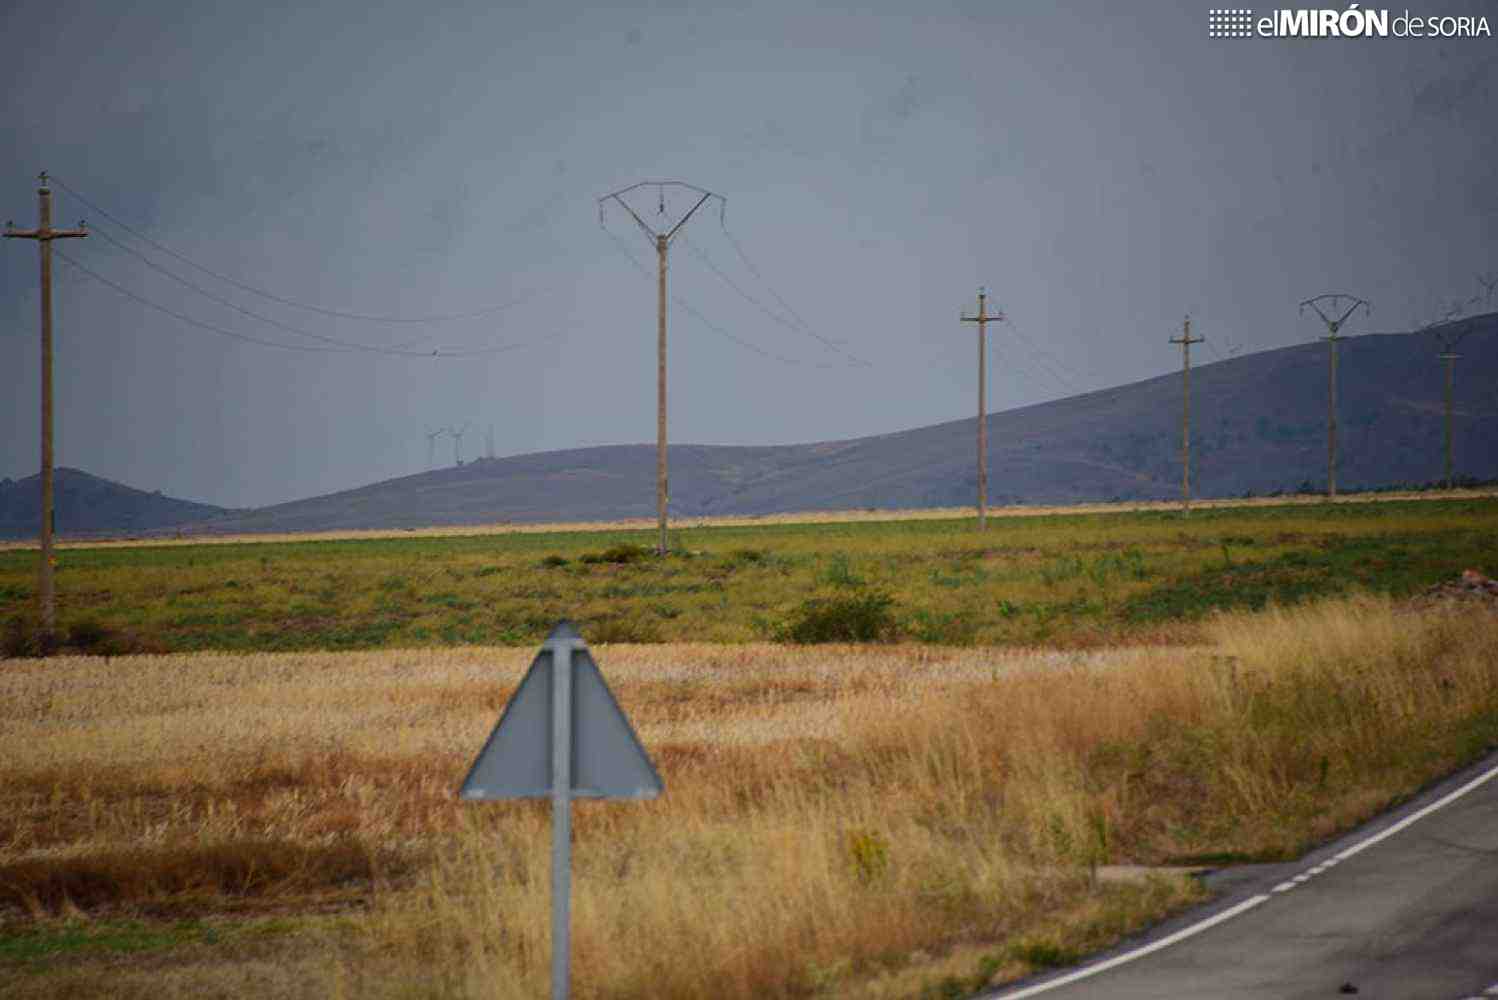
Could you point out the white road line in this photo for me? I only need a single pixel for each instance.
(1253, 901)
(1419, 814)
(1129, 956)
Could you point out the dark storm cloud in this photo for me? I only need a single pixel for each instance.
(1102, 169)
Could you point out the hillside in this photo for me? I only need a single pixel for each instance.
(86, 504)
(1258, 425)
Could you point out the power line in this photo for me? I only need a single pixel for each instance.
(236, 335)
(744, 257)
(802, 328)
(702, 255)
(214, 297)
(696, 313)
(748, 345)
(341, 314)
(1040, 358)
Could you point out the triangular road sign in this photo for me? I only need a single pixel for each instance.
(607, 760)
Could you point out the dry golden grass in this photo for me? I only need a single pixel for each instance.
(855, 821)
(801, 517)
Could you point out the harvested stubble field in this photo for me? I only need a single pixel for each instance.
(1065, 579)
(896, 820)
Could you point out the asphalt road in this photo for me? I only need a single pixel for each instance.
(1404, 908)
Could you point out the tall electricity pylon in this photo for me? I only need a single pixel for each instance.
(661, 238)
(1334, 304)
(44, 234)
(983, 319)
(1186, 340)
(457, 433)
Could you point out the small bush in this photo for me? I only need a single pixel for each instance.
(1044, 954)
(868, 850)
(89, 636)
(625, 628)
(944, 629)
(840, 573)
(555, 561)
(621, 554)
(860, 617)
(23, 637)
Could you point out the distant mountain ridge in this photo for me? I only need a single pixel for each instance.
(86, 504)
(1258, 425)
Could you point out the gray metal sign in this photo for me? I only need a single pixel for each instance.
(562, 736)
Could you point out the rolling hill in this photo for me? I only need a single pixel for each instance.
(86, 504)
(1258, 423)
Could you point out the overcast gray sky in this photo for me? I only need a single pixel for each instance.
(1102, 168)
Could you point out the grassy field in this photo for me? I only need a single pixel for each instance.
(1067, 579)
(1041, 727)
(898, 820)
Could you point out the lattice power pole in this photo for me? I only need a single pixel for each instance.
(661, 239)
(1186, 340)
(983, 319)
(1449, 339)
(1334, 301)
(44, 234)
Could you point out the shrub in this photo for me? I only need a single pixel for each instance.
(1043, 954)
(622, 554)
(944, 629)
(868, 850)
(553, 561)
(859, 617)
(89, 636)
(840, 573)
(625, 628)
(746, 557)
(24, 637)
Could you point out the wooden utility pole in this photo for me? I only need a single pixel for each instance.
(1186, 340)
(44, 234)
(1331, 419)
(982, 319)
(1450, 360)
(1332, 326)
(662, 491)
(662, 242)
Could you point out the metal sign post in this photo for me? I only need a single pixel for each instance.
(561, 813)
(562, 736)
